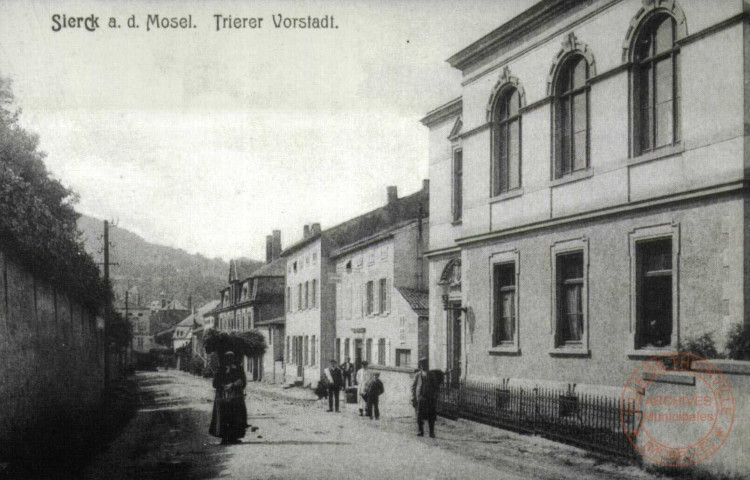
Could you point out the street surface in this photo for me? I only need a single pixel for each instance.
(298, 439)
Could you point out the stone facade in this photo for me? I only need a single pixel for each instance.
(374, 319)
(503, 303)
(312, 279)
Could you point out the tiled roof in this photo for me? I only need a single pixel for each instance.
(371, 223)
(417, 300)
(277, 268)
(369, 240)
(242, 268)
(197, 317)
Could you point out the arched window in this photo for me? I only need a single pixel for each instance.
(656, 91)
(506, 141)
(571, 116)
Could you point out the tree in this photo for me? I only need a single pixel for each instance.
(37, 218)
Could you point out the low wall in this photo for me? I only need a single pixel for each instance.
(397, 381)
(51, 360)
(731, 459)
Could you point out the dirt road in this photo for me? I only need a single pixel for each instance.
(298, 439)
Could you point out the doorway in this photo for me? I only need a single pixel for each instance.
(357, 354)
(454, 343)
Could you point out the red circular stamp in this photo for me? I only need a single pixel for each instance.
(677, 409)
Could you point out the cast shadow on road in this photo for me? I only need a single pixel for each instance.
(293, 442)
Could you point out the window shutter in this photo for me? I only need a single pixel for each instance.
(388, 294)
(376, 298)
(363, 298)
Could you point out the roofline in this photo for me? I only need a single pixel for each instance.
(307, 241)
(302, 243)
(372, 239)
(447, 110)
(509, 32)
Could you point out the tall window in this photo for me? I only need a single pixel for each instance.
(570, 284)
(654, 293)
(307, 294)
(381, 351)
(506, 137)
(383, 299)
(306, 347)
(458, 178)
(656, 91)
(288, 299)
(312, 350)
(571, 117)
(299, 296)
(338, 350)
(346, 348)
(314, 294)
(505, 303)
(368, 350)
(369, 303)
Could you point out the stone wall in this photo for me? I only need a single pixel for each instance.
(52, 366)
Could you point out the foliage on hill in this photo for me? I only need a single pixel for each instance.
(156, 268)
(37, 218)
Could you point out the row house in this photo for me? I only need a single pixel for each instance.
(381, 297)
(137, 315)
(588, 204)
(254, 299)
(186, 331)
(313, 285)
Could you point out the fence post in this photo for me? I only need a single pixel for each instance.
(536, 408)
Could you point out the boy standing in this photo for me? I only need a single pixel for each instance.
(374, 391)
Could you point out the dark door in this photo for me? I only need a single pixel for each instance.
(454, 344)
(357, 355)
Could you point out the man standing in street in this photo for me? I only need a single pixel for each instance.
(362, 379)
(347, 369)
(424, 393)
(335, 382)
(375, 389)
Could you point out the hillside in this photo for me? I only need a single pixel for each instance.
(155, 268)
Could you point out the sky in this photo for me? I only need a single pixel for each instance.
(208, 140)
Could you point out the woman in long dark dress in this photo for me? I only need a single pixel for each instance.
(229, 418)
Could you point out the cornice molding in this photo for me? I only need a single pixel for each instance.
(519, 26)
(448, 110)
(727, 188)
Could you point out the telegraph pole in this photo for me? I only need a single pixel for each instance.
(106, 307)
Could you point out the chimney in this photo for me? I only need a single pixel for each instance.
(269, 249)
(276, 245)
(306, 232)
(315, 229)
(190, 302)
(392, 194)
(426, 185)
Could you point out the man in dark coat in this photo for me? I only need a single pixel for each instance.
(335, 381)
(229, 417)
(374, 390)
(424, 393)
(347, 369)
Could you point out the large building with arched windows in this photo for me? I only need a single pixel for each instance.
(588, 207)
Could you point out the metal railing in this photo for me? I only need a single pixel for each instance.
(595, 423)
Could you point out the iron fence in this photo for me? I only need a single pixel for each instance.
(595, 423)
